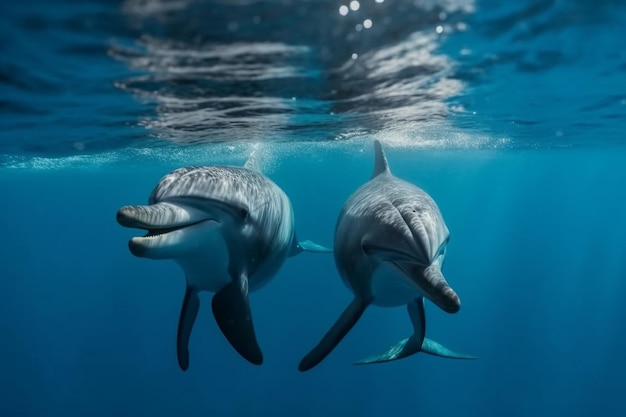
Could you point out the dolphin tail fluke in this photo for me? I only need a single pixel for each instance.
(402, 349)
(418, 318)
(434, 348)
(188, 314)
(331, 339)
(231, 309)
(410, 346)
(416, 343)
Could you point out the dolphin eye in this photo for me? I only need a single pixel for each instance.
(364, 248)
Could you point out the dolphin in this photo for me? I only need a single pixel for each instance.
(390, 245)
(230, 229)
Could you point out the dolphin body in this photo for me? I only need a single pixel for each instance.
(230, 229)
(390, 246)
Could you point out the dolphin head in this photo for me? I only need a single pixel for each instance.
(177, 227)
(185, 212)
(411, 237)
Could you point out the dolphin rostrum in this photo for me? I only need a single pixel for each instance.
(390, 245)
(230, 229)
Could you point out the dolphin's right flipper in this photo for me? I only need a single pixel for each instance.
(188, 314)
(231, 309)
(331, 339)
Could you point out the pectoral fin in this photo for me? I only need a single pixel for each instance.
(309, 246)
(331, 339)
(231, 309)
(188, 314)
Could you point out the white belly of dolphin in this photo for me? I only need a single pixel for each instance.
(206, 269)
(391, 287)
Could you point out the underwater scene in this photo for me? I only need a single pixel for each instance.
(312, 208)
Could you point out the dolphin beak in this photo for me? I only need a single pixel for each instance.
(159, 216)
(437, 289)
(432, 284)
(169, 228)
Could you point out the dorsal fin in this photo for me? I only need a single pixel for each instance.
(380, 165)
(253, 162)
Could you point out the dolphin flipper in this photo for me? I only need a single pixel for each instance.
(231, 309)
(331, 339)
(416, 343)
(188, 314)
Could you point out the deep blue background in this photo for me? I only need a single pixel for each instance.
(536, 255)
(527, 168)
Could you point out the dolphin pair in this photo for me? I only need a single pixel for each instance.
(230, 229)
(390, 245)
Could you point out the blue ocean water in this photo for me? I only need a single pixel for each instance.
(511, 115)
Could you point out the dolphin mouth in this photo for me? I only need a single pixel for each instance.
(156, 232)
(166, 226)
(431, 283)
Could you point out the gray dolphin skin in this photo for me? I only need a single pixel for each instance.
(230, 229)
(390, 246)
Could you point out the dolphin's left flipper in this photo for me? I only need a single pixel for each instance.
(416, 343)
(231, 309)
